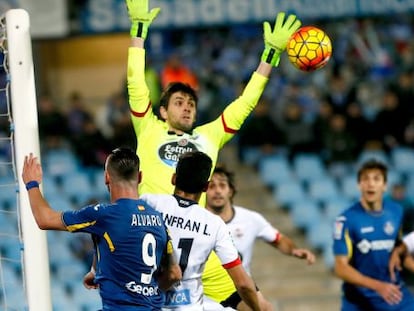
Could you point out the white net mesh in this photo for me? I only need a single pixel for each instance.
(12, 293)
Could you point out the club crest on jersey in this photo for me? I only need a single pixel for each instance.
(170, 152)
(338, 227)
(389, 228)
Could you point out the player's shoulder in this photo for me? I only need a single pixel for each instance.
(350, 212)
(241, 212)
(391, 204)
(151, 197)
(244, 211)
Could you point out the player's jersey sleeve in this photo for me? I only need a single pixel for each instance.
(265, 230)
(83, 220)
(342, 243)
(225, 248)
(142, 115)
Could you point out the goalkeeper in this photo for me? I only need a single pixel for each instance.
(161, 142)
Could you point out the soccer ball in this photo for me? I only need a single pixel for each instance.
(309, 48)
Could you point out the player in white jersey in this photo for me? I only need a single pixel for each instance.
(245, 226)
(196, 233)
(402, 256)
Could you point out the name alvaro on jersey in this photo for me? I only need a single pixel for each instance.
(145, 220)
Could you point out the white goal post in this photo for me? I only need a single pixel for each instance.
(25, 124)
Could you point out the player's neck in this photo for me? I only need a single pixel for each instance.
(227, 213)
(189, 196)
(372, 206)
(117, 193)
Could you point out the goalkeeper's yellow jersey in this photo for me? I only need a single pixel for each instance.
(159, 149)
(217, 284)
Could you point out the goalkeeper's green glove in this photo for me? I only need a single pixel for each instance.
(275, 41)
(140, 18)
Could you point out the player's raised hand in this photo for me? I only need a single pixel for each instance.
(32, 171)
(276, 39)
(140, 17)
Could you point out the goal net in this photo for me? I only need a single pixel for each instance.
(24, 265)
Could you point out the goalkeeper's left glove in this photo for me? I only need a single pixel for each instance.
(275, 41)
(140, 18)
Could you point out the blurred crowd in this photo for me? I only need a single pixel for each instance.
(362, 99)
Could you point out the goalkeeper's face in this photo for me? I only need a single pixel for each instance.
(180, 113)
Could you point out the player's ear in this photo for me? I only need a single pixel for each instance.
(206, 187)
(163, 113)
(173, 179)
(107, 178)
(139, 177)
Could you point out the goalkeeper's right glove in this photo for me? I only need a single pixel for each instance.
(275, 41)
(140, 18)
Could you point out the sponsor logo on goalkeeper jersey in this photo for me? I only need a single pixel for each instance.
(170, 152)
(141, 289)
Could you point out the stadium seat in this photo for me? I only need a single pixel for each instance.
(402, 160)
(61, 300)
(308, 167)
(99, 188)
(59, 201)
(60, 162)
(50, 185)
(8, 194)
(323, 189)
(333, 207)
(305, 213)
(378, 155)
(348, 186)
(275, 170)
(328, 257)
(319, 236)
(289, 192)
(78, 187)
(88, 300)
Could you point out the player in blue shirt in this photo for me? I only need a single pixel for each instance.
(364, 236)
(133, 251)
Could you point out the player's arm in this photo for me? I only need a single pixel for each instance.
(45, 217)
(288, 247)
(401, 255)
(89, 278)
(138, 92)
(245, 286)
(275, 41)
(388, 291)
(169, 272)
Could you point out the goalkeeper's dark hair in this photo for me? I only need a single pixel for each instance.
(193, 172)
(123, 164)
(373, 164)
(175, 87)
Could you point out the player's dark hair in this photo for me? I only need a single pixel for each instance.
(124, 163)
(373, 164)
(175, 87)
(222, 170)
(193, 171)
